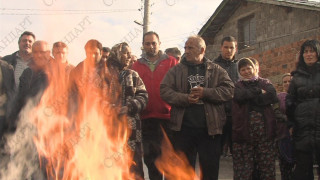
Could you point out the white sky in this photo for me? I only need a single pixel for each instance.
(109, 21)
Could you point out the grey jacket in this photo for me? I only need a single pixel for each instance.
(218, 89)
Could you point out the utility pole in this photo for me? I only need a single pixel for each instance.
(146, 16)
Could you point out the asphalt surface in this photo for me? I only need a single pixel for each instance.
(226, 170)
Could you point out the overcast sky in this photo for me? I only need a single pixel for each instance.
(109, 21)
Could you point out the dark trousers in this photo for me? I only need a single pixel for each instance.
(286, 164)
(304, 165)
(226, 139)
(3, 125)
(151, 140)
(196, 140)
(137, 167)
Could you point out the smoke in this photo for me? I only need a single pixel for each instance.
(20, 159)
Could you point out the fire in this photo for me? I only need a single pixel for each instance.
(87, 143)
(175, 165)
(91, 144)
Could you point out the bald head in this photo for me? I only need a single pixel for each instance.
(195, 49)
(40, 53)
(42, 44)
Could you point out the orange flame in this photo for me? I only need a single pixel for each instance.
(90, 144)
(175, 165)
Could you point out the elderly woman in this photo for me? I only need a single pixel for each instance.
(303, 110)
(132, 99)
(253, 124)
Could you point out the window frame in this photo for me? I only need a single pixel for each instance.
(246, 32)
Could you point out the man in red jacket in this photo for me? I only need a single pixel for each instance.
(152, 67)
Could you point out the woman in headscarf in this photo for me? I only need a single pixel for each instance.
(303, 110)
(253, 124)
(132, 99)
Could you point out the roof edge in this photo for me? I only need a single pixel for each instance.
(288, 3)
(216, 12)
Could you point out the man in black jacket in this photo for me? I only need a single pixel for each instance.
(20, 59)
(228, 62)
(6, 94)
(34, 80)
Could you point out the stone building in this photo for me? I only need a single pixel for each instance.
(271, 31)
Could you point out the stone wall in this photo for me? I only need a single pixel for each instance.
(280, 31)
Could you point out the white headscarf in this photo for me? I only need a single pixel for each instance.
(248, 61)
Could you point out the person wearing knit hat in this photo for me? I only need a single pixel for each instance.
(132, 99)
(254, 124)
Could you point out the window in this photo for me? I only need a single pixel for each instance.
(247, 32)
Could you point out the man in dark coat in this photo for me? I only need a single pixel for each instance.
(20, 59)
(86, 78)
(7, 87)
(33, 80)
(197, 89)
(228, 62)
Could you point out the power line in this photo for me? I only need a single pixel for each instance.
(60, 12)
(28, 9)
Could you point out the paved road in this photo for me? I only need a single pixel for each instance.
(226, 170)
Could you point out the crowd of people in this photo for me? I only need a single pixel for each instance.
(207, 108)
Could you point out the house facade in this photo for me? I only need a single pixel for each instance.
(271, 31)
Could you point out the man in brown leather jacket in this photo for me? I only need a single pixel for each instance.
(196, 89)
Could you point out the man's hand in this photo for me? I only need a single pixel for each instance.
(291, 131)
(197, 91)
(193, 98)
